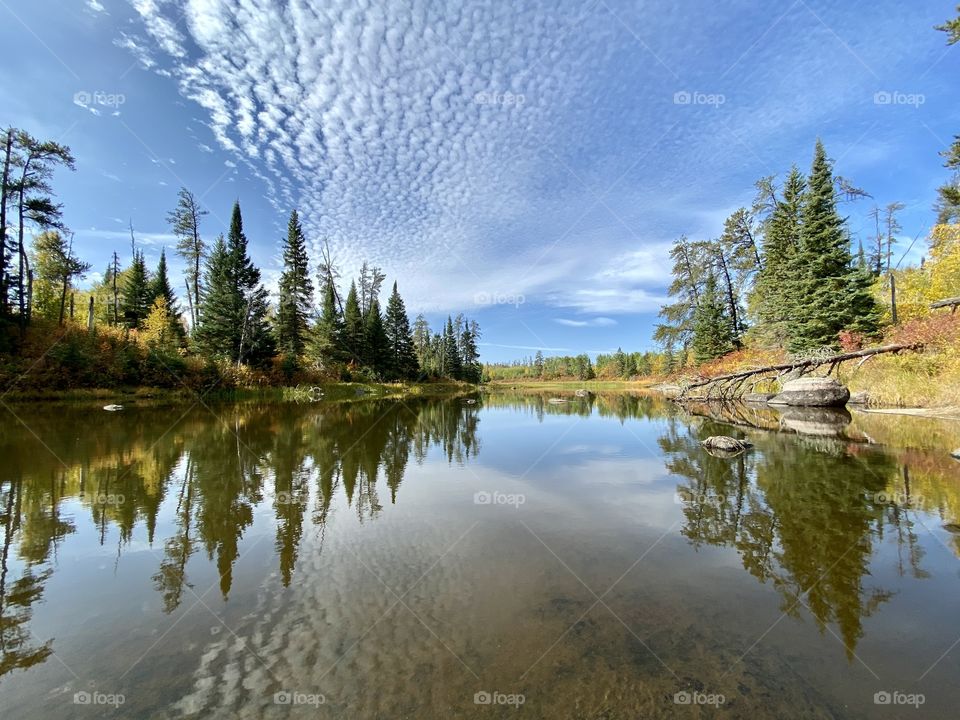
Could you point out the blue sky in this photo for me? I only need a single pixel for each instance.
(527, 166)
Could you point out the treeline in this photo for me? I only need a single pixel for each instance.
(229, 316)
(618, 365)
(783, 274)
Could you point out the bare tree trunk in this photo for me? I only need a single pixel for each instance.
(893, 298)
(4, 184)
(90, 316)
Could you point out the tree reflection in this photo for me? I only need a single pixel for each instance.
(207, 471)
(803, 514)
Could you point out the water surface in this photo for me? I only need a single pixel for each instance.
(386, 559)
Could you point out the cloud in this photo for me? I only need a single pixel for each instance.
(593, 322)
(96, 7)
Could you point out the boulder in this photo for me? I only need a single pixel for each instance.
(861, 397)
(955, 454)
(724, 444)
(757, 397)
(812, 392)
(822, 421)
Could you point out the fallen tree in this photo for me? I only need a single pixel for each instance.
(946, 302)
(733, 385)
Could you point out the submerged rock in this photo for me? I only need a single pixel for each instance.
(112, 408)
(556, 401)
(726, 445)
(861, 397)
(812, 392)
(757, 397)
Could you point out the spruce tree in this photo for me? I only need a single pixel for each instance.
(137, 296)
(254, 342)
(160, 290)
(471, 369)
(295, 290)
(326, 346)
(452, 367)
(218, 322)
(353, 327)
(826, 295)
(376, 344)
(772, 294)
(712, 327)
(402, 363)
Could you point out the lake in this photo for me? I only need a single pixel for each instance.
(500, 555)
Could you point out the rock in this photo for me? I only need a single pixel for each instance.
(955, 454)
(557, 401)
(724, 444)
(812, 392)
(757, 397)
(112, 408)
(581, 393)
(861, 397)
(667, 389)
(822, 421)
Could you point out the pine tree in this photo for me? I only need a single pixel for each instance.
(471, 369)
(403, 363)
(160, 290)
(216, 333)
(326, 346)
(772, 294)
(825, 295)
(353, 340)
(538, 364)
(234, 311)
(137, 296)
(296, 292)
(712, 327)
(452, 367)
(376, 344)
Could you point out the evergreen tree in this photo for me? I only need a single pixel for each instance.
(538, 364)
(218, 321)
(471, 369)
(772, 295)
(296, 292)
(422, 338)
(402, 357)
(452, 367)
(160, 290)
(825, 295)
(376, 344)
(353, 340)
(712, 327)
(326, 345)
(137, 294)
(234, 309)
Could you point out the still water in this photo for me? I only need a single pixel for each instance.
(503, 556)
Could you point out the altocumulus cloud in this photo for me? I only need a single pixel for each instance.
(406, 134)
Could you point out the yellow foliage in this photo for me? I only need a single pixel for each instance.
(157, 328)
(917, 287)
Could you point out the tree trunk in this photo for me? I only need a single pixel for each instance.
(4, 184)
(731, 298)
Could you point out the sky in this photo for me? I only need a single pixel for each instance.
(527, 164)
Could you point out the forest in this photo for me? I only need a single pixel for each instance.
(129, 329)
